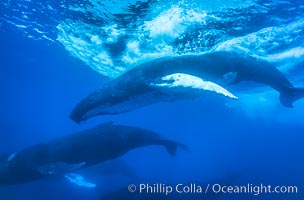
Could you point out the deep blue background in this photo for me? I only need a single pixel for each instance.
(40, 83)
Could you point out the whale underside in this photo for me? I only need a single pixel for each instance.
(77, 151)
(183, 77)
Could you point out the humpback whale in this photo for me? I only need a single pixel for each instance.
(172, 78)
(77, 151)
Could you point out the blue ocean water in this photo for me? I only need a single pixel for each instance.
(54, 53)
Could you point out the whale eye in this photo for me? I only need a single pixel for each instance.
(230, 77)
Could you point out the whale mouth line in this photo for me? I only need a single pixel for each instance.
(132, 102)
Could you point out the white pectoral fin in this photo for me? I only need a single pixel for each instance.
(190, 81)
(79, 180)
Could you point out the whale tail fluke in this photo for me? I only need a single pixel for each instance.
(172, 146)
(293, 94)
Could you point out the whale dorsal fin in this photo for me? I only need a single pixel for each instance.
(189, 81)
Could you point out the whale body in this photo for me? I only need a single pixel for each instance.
(77, 151)
(172, 78)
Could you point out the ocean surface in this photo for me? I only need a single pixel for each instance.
(54, 53)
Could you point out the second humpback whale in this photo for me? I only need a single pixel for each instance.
(171, 78)
(77, 151)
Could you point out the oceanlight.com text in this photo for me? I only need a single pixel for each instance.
(195, 188)
(254, 189)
